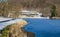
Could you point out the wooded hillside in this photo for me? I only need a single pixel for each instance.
(43, 6)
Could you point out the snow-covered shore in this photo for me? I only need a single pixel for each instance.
(4, 24)
(8, 21)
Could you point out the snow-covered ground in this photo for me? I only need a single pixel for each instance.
(4, 24)
(37, 17)
(3, 18)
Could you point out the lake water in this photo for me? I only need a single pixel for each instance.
(43, 27)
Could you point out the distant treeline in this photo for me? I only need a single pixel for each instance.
(43, 6)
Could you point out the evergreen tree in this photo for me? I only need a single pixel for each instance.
(53, 11)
